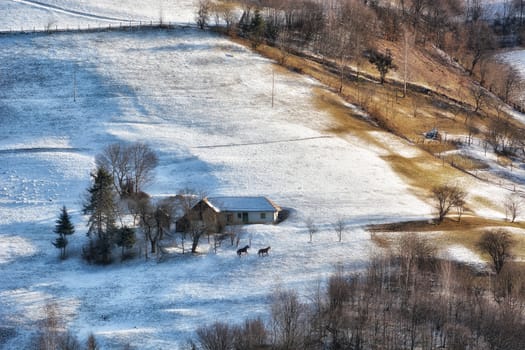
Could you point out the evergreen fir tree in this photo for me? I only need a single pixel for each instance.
(125, 238)
(257, 29)
(102, 210)
(63, 228)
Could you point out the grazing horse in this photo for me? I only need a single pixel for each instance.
(263, 251)
(243, 250)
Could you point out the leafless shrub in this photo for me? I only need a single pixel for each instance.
(218, 336)
(91, 343)
(52, 334)
(250, 335)
(509, 285)
(288, 322)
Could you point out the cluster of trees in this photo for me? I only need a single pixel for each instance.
(118, 208)
(343, 28)
(405, 299)
(447, 197)
(121, 173)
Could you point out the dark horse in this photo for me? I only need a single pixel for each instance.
(263, 251)
(243, 250)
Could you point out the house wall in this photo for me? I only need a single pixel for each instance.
(202, 214)
(254, 217)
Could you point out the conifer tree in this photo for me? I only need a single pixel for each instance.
(256, 29)
(125, 238)
(102, 210)
(63, 228)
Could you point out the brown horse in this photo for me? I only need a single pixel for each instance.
(263, 251)
(242, 251)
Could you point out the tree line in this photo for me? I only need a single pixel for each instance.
(407, 298)
(344, 34)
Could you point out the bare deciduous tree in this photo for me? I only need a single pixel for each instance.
(311, 227)
(225, 11)
(414, 250)
(497, 243)
(478, 94)
(155, 220)
(218, 336)
(479, 40)
(52, 333)
(131, 165)
(195, 221)
(202, 17)
(143, 160)
(339, 228)
(446, 197)
(250, 335)
(288, 321)
(115, 159)
(512, 204)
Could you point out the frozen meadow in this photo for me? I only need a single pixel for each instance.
(205, 105)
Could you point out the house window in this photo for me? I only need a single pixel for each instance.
(263, 215)
(229, 218)
(239, 216)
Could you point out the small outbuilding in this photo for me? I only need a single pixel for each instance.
(216, 212)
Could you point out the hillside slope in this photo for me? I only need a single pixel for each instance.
(204, 104)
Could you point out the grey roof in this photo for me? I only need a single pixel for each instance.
(241, 204)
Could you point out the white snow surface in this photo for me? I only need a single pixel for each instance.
(464, 255)
(204, 104)
(43, 15)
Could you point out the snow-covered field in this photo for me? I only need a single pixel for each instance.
(204, 104)
(61, 14)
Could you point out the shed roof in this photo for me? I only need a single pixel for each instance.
(241, 204)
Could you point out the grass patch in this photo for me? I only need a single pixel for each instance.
(466, 233)
(467, 223)
(422, 172)
(504, 161)
(486, 202)
(464, 162)
(436, 147)
(345, 119)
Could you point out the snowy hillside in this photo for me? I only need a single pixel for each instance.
(204, 104)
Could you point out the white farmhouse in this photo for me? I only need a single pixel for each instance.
(216, 212)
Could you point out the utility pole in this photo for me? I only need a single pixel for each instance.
(273, 85)
(406, 66)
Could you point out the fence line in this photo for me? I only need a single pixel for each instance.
(121, 26)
